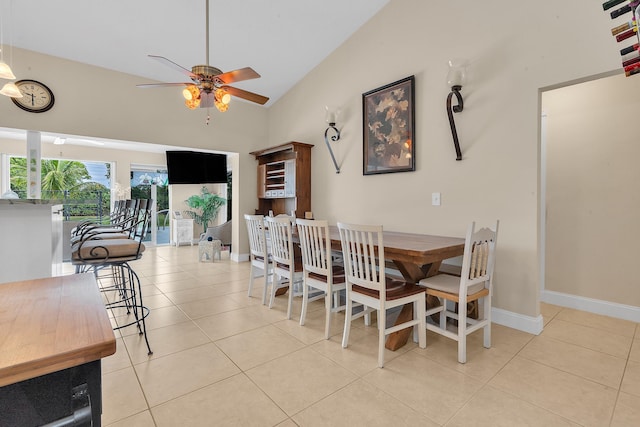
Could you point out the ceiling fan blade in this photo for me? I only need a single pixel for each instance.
(244, 94)
(246, 73)
(173, 65)
(148, 85)
(249, 96)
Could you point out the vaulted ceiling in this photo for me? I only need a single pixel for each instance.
(281, 39)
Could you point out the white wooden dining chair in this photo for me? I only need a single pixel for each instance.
(367, 284)
(319, 271)
(260, 257)
(286, 266)
(474, 284)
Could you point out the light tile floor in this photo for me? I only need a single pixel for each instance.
(222, 358)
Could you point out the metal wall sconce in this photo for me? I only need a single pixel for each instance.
(330, 118)
(455, 79)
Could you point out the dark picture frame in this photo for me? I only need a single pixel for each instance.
(389, 128)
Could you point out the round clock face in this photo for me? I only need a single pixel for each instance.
(36, 96)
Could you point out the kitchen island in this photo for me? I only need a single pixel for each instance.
(53, 334)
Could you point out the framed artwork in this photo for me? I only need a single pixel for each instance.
(389, 128)
(177, 214)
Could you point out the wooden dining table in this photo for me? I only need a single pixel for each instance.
(416, 256)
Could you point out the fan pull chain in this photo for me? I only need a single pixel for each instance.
(208, 118)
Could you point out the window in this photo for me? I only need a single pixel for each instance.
(84, 187)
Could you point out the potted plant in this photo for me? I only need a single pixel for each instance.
(208, 205)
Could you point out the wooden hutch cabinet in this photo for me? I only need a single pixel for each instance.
(284, 179)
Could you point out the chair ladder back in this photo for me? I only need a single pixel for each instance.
(479, 257)
(257, 240)
(479, 254)
(281, 243)
(363, 263)
(315, 245)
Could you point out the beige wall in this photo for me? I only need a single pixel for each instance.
(514, 48)
(592, 189)
(92, 101)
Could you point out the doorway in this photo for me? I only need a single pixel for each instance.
(588, 195)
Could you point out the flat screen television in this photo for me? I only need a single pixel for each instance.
(192, 167)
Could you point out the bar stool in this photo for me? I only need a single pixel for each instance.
(126, 213)
(120, 211)
(109, 258)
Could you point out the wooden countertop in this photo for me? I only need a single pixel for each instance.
(51, 324)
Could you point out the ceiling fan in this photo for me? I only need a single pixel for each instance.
(209, 85)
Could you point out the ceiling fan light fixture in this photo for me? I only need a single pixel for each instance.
(192, 104)
(221, 100)
(209, 87)
(223, 96)
(191, 92)
(221, 107)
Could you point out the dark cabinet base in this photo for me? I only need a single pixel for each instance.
(71, 397)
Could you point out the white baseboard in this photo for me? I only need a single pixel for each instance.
(606, 308)
(239, 257)
(531, 325)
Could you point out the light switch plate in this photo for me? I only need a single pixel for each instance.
(435, 199)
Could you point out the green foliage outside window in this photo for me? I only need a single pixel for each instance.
(67, 181)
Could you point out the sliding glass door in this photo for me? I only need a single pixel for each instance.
(150, 182)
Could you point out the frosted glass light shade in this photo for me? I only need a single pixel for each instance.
(10, 89)
(223, 97)
(457, 74)
(5, 72)
(191, 92)
(331, 115)
(192, 104)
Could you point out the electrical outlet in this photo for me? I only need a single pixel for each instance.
(435, 199)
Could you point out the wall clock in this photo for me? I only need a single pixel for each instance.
(36, 96)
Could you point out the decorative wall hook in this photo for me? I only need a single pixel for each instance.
(331, 120)
(455, 80)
